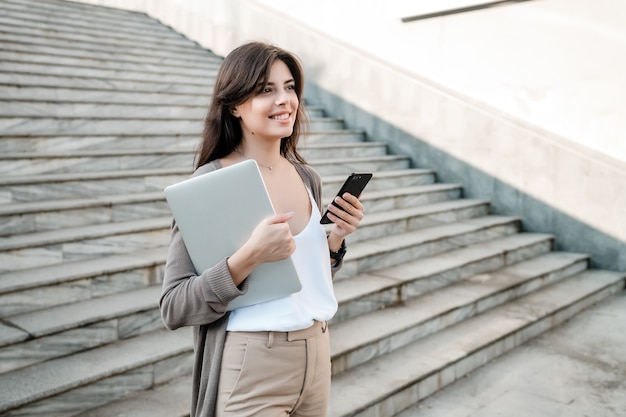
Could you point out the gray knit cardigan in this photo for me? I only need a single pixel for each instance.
(200, 301)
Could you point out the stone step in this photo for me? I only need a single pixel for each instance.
(24, 47)
(87, 11)
(187, 86)
(37, 288)
(379, 289)
(172, 399)
(73, 66)
(145, 74)
(56, 143)
(71, 328)
(16, 126)
(73, 186)
(83, 42)
(159, 45)
(25, 95)
(56, 246)
(391, 222)
(390, 383)
(390, 251)
(369, 336)
(37, 216)
(146, 28)
(70, 385)
(31, 163)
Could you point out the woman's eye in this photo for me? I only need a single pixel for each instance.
(291, 87)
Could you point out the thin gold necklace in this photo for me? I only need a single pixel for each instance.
(270, 167)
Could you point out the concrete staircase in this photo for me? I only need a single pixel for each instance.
(100, 109)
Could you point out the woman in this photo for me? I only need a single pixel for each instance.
(269, 359)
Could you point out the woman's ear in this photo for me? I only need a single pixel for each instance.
(234, 111)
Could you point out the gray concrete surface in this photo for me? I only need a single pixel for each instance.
(576, 370)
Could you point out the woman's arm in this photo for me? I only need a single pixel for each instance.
(189, 299)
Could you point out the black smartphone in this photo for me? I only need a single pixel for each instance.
(355, 183)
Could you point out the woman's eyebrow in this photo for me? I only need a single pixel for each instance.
(291, 80)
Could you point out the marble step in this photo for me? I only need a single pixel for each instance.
(27, 45)
(166, 44)
(390, 251)
(36, 288)
(101, 110)
(391, 222)
(345, 166)
(78, 65)
(70, 385)
(79, 10)
(368, 336)
(38, 126)
(25, 94)
(114, 74)
(394, 285)
(172, 399)
(23, 164)
(73, 186)
(53, 82)
(87, 242)
(71, 328)
(55, 143)
(146, 28)
(390, 383)
(99, 42)
(40, 216)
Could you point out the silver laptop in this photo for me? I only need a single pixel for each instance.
(216, 212)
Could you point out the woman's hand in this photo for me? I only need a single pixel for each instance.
(270, 241)
(347, 220)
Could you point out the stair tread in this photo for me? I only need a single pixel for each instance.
(358, 388)
(62, 374)
(68, 316)
(368, 248)
(380, 324)
(431, 208)
(373, 281)
(74, 203)
(83, 232)
(169, 400)
(70, 271)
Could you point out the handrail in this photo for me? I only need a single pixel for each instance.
(458, 10)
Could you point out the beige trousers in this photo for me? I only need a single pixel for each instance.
(275, 374)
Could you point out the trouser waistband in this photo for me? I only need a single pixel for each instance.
(316, 329)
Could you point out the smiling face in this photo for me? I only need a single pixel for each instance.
(271, 113)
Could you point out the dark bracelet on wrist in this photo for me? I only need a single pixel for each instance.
(338, 256)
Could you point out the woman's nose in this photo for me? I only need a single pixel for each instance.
(282, 97)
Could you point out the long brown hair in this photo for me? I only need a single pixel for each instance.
(244, 73)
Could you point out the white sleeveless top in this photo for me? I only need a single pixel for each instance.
(315, 301)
